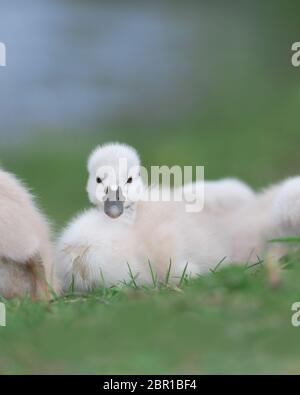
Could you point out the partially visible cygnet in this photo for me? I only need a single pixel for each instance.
(26, 265)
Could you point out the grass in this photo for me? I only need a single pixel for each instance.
(229, 321)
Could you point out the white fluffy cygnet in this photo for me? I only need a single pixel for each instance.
(99, 245)
(26, 265)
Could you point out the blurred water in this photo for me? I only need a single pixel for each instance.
(78, 64)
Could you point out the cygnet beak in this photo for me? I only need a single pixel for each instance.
(114, 202)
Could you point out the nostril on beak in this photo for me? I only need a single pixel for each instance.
(118, 194)
(106, 190)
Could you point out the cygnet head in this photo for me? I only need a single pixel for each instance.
(114, 183)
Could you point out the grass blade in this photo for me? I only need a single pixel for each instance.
(153, 276)
(218, 264)
(168, 273)
(183, 275)
(285, 240)
(132, 276)
(72, 285)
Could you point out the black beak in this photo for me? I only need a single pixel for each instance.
(114, 203)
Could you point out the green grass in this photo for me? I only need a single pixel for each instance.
(232, 320)
(229, 321)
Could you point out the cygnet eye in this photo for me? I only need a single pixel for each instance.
(129, 181)
(98, 179)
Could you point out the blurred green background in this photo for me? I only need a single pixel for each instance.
(192, 82)
(185, 82)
